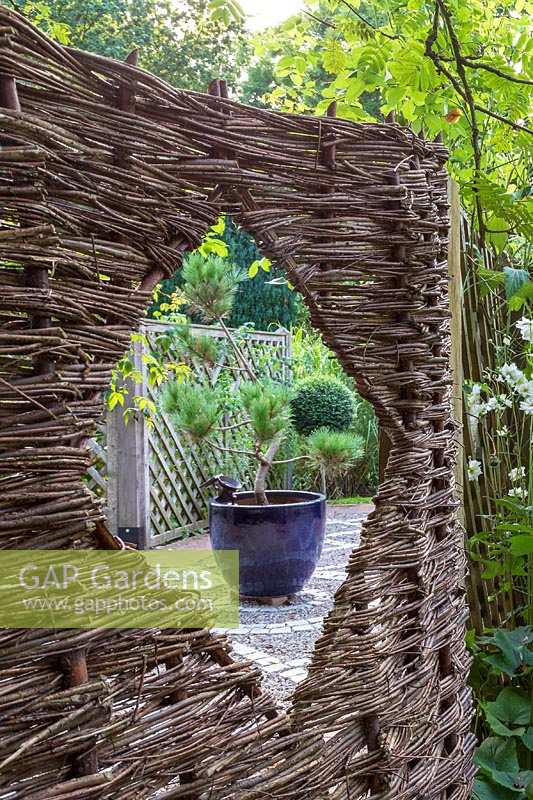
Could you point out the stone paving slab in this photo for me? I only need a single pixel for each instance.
(280, 639)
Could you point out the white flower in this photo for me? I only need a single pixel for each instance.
(507, 341)
(498, 403)
(474, 469)
(511, 374)
(516, 473)
(525, 388)
(475, 406)
(503, 431)
(518, 492)
(525, 326)
(526, 406)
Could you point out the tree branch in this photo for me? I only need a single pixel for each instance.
(237, 350)
(468, 62)
(265, 462)
(506, 121)
(230, 449)
(289, 460)
(437, 59)
(463, 89)
(320, 21)
(232, 427)
(367, 21)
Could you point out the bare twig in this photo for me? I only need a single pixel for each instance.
(290, 460)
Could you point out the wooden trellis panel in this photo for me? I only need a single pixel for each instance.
(176, 468)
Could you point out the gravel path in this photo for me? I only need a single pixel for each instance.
(281, 640)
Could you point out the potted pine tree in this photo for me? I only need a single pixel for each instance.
(278, 533)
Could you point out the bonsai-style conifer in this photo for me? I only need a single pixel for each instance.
(210, 286)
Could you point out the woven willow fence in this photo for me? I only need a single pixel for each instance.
(152, 461)
(106, 170)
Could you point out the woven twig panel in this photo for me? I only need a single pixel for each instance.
(107, 175)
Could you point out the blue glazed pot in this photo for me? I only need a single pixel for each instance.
(279, 545)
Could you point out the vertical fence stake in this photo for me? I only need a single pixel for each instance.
(128, 465)
(456, 351)
(74, 668)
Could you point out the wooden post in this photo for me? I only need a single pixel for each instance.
(456, 350)
(286, 376)
(74, 668)
(128, 465)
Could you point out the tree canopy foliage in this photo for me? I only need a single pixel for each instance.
(181, 41)
(462, 70)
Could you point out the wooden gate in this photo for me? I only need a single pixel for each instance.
(149, 477)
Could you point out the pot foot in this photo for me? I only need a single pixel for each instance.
(267, 601)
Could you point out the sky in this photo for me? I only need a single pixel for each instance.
(263, 13)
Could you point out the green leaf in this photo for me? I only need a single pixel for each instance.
(334, 58)
(491, 569)
(498, 727)
(513, 654)
(497, 232)
(497, 754)
(216, 246)
(521, 296)
(515, 279)
(253, 269)
(220, 226)
(395, 95)
(485, 789)
(492, 277)
(512, 706)
(114, 399)
(527, 738)
(521, 545)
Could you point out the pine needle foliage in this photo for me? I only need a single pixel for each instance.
(268, 408)
(205, 349)
(333, 452)
(194, 410)
(210, 285)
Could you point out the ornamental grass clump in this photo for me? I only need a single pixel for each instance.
(210, 288)
(329, 452)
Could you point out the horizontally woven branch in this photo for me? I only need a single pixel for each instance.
(107, 175)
